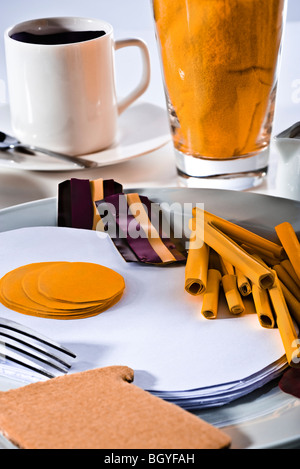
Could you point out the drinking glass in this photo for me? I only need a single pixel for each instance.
(220, 62)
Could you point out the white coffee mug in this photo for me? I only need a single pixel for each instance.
(62, 96)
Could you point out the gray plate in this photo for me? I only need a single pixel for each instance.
(266, 418)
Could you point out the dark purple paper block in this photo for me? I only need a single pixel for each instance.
(75, 205)
(290, 382)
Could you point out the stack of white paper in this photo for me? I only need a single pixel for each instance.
(156, 329)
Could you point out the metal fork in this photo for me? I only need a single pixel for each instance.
(30, 349)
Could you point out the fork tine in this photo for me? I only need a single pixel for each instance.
(26, 347)
(34, 354)
(12, 338)
(29, 333)
(19, 360)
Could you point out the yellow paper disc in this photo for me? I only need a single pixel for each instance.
(30, 283)
(19, 289)
(80, 282)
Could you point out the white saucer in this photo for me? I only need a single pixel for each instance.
(143, 128)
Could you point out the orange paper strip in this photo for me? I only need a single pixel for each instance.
(263, 307)
(239, 234)
(287, 265)
(285, 325)
(290, 242)
(269, 260)
(196, 269)
(244, 286)
(233, 297)
(287, 280)
(233, 253)
(292, 303)
(211, 295)
(141, 216)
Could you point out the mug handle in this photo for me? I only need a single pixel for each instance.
(145, 79)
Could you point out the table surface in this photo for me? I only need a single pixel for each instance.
(157, 169)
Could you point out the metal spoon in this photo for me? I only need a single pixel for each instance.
(7, 142)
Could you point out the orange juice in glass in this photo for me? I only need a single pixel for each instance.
(220, 63)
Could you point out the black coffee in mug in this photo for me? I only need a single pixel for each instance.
(64, 37)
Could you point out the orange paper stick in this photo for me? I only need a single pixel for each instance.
(196, 266)
(243, 283)
(269, 260)
(233, 297)
(211, 295)
(233, 253)
(290, 242)
(287, 281)
(285, 324)
(287, 265)
(269, 255)
(227, 267)
(229, 282)
(292, 303)
(239, 234)
(263, 307)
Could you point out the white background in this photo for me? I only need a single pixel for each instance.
(128, 17)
